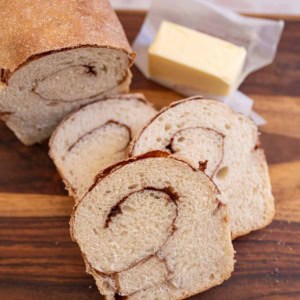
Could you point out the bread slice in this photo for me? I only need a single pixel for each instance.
(152, 227)
(212, 137)
(95, 137)
(55, 57)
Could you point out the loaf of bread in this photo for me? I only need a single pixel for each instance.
(152, 227)
(56, 56)
(225, 145)
(95, 137)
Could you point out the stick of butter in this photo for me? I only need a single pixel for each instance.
(189, 58)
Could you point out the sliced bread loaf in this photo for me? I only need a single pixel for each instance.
(56, 56)
(153, 228)
(95, 137)
(223, 143)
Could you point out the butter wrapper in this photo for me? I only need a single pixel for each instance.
(260, 37)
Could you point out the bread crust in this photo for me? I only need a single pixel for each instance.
(31, 29)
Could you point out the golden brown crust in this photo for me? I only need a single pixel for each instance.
(33, 28)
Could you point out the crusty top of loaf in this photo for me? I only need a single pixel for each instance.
(30, 28)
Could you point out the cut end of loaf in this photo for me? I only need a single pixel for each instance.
(58, 83)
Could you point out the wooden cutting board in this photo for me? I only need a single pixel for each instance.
(38, 260)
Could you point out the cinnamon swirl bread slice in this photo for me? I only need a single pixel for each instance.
(212, 137)
(153, 228)
(95, 137)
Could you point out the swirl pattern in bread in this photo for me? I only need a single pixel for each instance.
(212, 137)
(153, 228)
(95, 137)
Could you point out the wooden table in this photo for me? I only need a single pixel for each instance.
(38, 260)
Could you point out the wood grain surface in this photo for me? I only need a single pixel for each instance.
(38, 260)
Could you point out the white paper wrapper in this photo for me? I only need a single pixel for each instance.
(260, 37)
(265, 7)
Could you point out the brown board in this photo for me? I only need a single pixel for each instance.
(38, 260)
